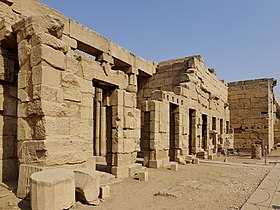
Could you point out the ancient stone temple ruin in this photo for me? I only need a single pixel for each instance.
(184, 111)
(70, 97)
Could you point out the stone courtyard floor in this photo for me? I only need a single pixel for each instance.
(213, 185)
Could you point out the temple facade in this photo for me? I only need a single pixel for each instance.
(70, 97)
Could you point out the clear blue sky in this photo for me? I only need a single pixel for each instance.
(240, 38)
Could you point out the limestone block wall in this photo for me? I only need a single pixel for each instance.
(8, 114)
(67, 98)
(252, 111)
(198, 107)
(53, 94)
(76, 90)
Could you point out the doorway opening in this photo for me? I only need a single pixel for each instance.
(192, 128)
(204, 132)
(172, 131)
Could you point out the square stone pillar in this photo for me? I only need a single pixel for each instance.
(125, 133)
(156, 138)
(54, 114)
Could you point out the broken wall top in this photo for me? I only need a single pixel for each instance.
(265, 81)
(193, 69)
(11, 11)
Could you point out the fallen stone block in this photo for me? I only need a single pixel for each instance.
(52, 189)
(105, 178)
(87, 183)
(195, 161)
(210, 157)
(188, 157)
(134, 169)
(143, 176)
(181, 160)
(25, 171)
(174, 166)
(104, 192)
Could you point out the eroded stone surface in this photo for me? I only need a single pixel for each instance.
(87, 183)
(69, 94)
(53, 189)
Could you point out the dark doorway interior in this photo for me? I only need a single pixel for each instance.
(192, 124)
(204, 131)
(172, 132)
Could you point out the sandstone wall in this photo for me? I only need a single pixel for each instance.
(76, 90)
(187, 85)
(252, 111)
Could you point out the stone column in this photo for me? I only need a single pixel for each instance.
(98, 101)
(102, 143)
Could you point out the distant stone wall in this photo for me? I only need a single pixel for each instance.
(252, 112)
(277, 132)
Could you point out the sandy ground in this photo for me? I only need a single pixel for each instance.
(205, 186)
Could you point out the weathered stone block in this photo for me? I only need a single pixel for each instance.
(79, 32)
(46, 75)
(25, 171)
(23, 95)
(72, 94)
(104, 192)
(24, 49)
(45, 53)
(75, 150)
(130, 122)
(117, 98)
(154, 105)
(143, 176)
(39, 23)
(173, 166)
(53, 189)
(24, 130)
(195, 161)
(87, 183)
(105, 57)
(69, 41)
(49, 40)
(129, 99)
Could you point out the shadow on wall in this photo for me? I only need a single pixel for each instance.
(8, 115)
